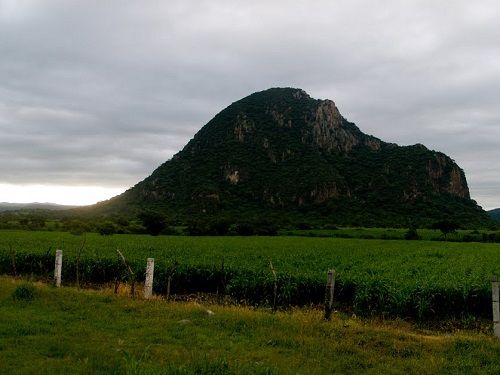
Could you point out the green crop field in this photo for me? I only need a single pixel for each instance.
(416, 279)
(460, 235)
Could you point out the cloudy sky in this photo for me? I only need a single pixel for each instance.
(96, 94)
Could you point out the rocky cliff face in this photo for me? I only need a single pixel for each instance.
(329, 131)
(282, 149)
(447, 177)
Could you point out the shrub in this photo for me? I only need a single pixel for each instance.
(303, 226)
(199, 228)
(412, 234)
(468, 238)
(24, 292)
(245, 229)
(330, 227)
(266, 229)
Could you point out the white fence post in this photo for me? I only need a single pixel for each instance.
(496, 307)
(58, 268)
(148, 283)
(330, 287)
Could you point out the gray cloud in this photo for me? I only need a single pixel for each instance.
(100, 93)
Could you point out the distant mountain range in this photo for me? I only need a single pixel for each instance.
(284, 156)
(495, 214)
(4, 206)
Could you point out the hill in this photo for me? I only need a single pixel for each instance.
(5, 206)
(495, 214)
(281, 155)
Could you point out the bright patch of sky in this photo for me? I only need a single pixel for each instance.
(67, 195)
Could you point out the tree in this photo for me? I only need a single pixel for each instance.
(153, 221)
(75, 226)
(446, 227)
(245, 229)
(198, 228)
(107, 228)
(220, 227)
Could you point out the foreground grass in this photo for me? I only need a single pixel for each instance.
(70, 331)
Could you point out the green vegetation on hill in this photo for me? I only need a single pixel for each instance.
(286, 157)
(495, 214)
(65, 331)
(417, 279)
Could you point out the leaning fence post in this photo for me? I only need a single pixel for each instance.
(496, 307)
(58, 268)
(148, 283)
(130, 273)
(330, 286)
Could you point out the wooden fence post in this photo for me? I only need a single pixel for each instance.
(496, 307)
(58, 268)
(330, 286)
(13, 260)
(169, 283)
(148, 283)
(275, 288)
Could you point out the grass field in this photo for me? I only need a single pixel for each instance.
(417, 279)
(64, 331)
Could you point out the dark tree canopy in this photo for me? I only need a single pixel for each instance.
(446, 227)
(153, 221)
